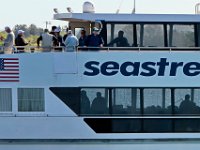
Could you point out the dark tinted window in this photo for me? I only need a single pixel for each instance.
(70, 96)
(125, 101)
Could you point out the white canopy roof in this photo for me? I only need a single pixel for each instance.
(177, 18)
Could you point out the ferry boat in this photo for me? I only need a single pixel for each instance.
(142, 96)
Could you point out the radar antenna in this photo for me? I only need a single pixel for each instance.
(197, 11)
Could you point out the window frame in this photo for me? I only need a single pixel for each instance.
(165, 31)
(42, 112)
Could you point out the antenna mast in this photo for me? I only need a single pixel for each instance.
(134, 7)
(119, 7)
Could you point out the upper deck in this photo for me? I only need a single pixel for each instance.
(129, 18)
(140, 30)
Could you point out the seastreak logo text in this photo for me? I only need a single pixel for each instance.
(146, 69)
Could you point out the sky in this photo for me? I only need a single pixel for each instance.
(37, 12)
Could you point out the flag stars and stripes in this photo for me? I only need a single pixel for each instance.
(9, 70)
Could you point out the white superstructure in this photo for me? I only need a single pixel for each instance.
(110, 98)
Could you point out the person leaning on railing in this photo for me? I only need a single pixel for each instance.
(71, 42)
(47, 41)
(94, 40)
(120, 41)
(20, 41)
(83, 38)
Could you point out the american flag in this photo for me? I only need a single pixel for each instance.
(9, 69)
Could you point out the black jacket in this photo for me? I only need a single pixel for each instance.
(19, 41)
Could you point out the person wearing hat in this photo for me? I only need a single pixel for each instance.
(94, 40)
(71, 42)
(20, 41)
(9, 41)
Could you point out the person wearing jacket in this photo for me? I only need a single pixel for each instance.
(20, 41)
(71, 42)
(9, 41)
(47, 41)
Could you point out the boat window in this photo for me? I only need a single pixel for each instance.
(144, 125)
(181, 35)
(30, 99)
(125, 101)
(120, 35)
(134, 110)
(187, 101)
(69, 96)
(152, 35)
(130, 101)
(114, 125)
(94, 101)
(5, 100)
(187, 125)
(157, 101)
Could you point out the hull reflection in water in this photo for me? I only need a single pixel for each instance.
(102, 145)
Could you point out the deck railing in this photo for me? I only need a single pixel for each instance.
(35, 49)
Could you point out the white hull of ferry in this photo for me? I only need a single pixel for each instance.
(58, 127)
(42, 96)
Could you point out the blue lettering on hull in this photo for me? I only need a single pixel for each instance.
(146, 69)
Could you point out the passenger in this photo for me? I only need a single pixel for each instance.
(120, 41)
(85, 103)
(83, 38)
(9, 41)
(59, 41)
(20, 41)
(169, 109)
(58, 37)
(71, 42)
(99, 104)
(65, 36)
(47, 41)
(94, 40)
(150, 110)
(53, 28)
(187, 106)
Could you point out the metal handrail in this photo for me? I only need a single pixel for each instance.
(139, 49)
(35, 49)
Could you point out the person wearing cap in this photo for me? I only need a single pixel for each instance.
(58, 37)
(9, 41)
(47, 41)
(71, 42)
(94, 40)
(52, 32)
(20, 41)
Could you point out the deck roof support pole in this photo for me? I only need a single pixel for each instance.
(170, 35)
(141, 35)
